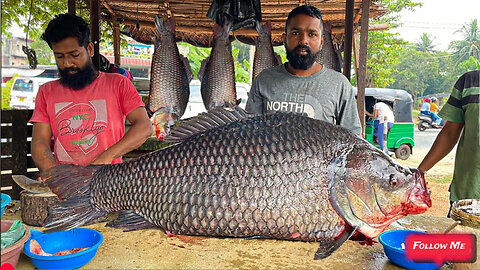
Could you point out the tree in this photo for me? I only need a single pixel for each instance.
(385, 47)
(469, 46)
(417, 72)
(383, 53)
(18, 11)
(424, 44)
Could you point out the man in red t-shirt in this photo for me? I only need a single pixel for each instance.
(84, 110)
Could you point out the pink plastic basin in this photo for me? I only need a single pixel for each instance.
(10, 254)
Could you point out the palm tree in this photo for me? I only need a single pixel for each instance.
(425, 44)
(470, 45)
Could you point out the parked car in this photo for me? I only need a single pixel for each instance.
(24, 90)
(195, 103)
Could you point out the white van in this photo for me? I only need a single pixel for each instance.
(24, 90)
(195, 103)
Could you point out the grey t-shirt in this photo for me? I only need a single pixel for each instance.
(326, 95)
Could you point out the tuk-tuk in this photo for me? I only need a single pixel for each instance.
(400, 137)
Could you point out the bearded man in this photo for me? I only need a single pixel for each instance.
(85, 110)
(302, 85)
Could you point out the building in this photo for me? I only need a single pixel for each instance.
(12, 53)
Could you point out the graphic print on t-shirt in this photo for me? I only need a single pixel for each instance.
(292, 102)
(78, 127)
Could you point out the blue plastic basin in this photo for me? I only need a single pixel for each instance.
(5, 200)
(392, 245)
(65, 240)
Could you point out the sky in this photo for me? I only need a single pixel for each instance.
(438, 18)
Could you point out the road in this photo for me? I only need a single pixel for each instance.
(425, 139)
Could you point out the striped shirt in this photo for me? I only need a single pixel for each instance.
(463, 107)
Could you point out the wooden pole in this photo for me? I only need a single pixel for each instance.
(95, 31)
(349, 10)
(116, 41)
(362, 63)
(71, 7)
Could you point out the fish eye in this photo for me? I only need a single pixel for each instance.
(393, 181)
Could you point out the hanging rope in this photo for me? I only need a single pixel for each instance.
(31, 55)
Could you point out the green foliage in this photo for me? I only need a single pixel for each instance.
(417, 70)
(280, 50)
(468, 65)
(383, 53)
(425, 44)
(195, 57)
(384, 47)
(41, 13)
(469, 46)
(6, 93)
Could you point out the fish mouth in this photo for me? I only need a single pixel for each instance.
(162, 120)
(419, 198)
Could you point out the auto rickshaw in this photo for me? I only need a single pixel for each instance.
(400, 137)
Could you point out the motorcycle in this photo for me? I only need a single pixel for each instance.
(425, 121)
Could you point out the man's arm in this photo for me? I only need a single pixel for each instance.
(444, 143)
(138, 133)
(41, 151)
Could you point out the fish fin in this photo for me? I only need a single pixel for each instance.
(222, 31)
(129, 220)
(203, 66)
(337, 173)
(215, 118)
(30, 185)
(187, 67)
(259, 27)
(161, 25)
(255, 237)
(71, 184)
(263, 29)
(170, 23)
(328, 247)
(278, 58)
(268, 28)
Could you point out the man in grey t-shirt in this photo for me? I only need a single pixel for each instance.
(302, 85)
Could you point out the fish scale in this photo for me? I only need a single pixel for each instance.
(217, 74)
(282, 176)
(265, 57)
(240, 221)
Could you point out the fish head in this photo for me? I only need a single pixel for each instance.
(372, 190)
(163, 120)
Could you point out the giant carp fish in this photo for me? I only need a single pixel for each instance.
(217, 72)
(170, 78)
(230, 174)
(265, 57)
(328, 55)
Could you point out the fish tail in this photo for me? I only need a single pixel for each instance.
(71, 184)
(164, 25)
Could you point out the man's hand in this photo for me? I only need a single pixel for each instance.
(140, 130)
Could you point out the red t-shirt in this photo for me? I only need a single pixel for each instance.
(86, 122)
